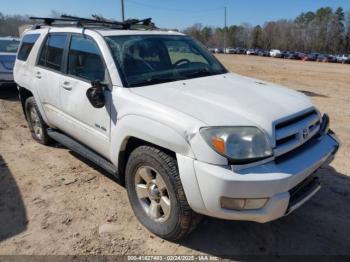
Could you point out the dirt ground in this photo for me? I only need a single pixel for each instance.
(54, 202)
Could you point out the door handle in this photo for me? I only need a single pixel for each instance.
(38, 75)
(66, 85)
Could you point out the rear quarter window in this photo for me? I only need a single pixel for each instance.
(28, 42)
(52, 52)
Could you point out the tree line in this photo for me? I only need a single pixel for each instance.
(326, 31)
(9, 24)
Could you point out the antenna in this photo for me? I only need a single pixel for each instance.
(123, 11)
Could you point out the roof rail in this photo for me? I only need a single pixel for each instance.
(96, 21)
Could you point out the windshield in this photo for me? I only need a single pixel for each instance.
(9, 46)
(153, 59)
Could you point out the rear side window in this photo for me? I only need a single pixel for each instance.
(52, 52)
(84, 59)
(28, 42)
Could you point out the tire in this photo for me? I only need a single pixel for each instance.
(150, 162)
(37, 126)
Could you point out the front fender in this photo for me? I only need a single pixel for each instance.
(150, 131)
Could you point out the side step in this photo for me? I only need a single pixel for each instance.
(82, 150)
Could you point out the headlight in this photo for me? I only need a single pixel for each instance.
(239, 144)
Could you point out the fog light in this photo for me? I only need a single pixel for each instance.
(232, 203)
(255, 203)
(243, 203)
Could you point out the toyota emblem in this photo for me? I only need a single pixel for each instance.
(305, 133)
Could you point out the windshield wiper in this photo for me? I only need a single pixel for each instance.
(200, 73)
(155, 80)
(182, 76)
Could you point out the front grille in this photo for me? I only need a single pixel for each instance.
(293, 132)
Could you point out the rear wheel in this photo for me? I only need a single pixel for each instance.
(36, 123)
(156, 194)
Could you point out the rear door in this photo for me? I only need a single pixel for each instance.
(48, 74)
(84, 122)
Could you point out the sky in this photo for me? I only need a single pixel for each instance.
(176, 13)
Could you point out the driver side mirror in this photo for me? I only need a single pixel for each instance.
(96, 95)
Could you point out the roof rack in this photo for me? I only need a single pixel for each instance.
(95, 21)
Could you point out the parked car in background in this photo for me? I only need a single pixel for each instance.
(230, 50)
(275, 53)
(8, 51)
(251, 51)
(240, 50)
(321, 58)
(332, 59)
(264, 53)
(291, 55)
(219, 50)
(300, 55)
(211, 49)
(309, 57)
(345, 59)
(283, 54)
(326, 58)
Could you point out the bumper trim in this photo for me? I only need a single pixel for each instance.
(314, 188)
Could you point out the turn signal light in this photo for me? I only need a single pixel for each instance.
(218, 144)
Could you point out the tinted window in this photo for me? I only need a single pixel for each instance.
(52, 53)
(84, 59)
(27, 45)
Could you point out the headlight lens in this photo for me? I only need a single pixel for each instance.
(239, 144)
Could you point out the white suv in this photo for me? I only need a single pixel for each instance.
(157, 110)
(275, 53)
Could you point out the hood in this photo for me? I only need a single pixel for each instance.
(228, 100)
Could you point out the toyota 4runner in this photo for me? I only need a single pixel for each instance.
(158, 111)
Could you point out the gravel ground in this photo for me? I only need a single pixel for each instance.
(54, 202)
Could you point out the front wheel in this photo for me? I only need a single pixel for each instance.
(156, 194)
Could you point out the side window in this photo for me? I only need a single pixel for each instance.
(28, 42)
(84, 59)
(52, 52)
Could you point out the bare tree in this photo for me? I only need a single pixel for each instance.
(323, 31)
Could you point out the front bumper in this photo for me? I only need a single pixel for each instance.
(206, 184)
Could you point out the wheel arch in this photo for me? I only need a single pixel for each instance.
(129, 145)
(24, 94)
(133, 131)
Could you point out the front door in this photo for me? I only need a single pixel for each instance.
(82, 121)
